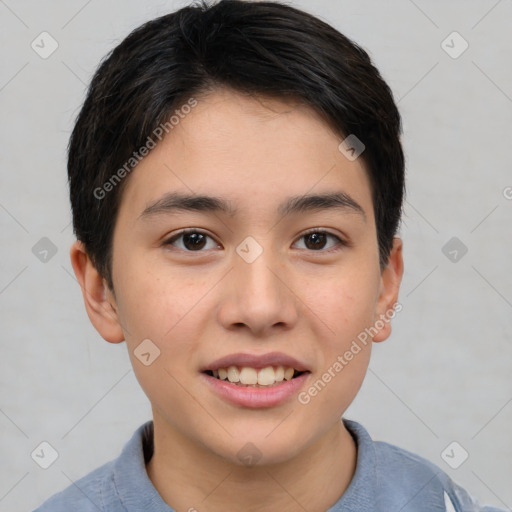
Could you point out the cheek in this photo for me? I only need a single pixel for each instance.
(167, 310)
(170, 309)
(155, 302)
(345, 301)
(347, 305)
(345, 360)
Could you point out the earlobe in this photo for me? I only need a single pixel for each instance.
(391, 277)
(98, 299)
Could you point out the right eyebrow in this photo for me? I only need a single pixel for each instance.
(173, 201)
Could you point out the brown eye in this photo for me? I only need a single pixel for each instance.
(191, 241)
(316, 240)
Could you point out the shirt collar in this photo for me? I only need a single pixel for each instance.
(136, 491)
(133, 486)
(360, 495)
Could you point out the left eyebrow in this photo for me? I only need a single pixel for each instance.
(175, 201)
(318, 202)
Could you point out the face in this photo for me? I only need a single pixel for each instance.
(267, 286)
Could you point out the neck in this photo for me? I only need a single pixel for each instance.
(191, 478)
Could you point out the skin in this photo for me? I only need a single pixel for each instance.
(197, 306)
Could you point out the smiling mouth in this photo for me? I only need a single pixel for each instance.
(252, 377)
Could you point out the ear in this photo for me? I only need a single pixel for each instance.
(98, 298)
(391, 277)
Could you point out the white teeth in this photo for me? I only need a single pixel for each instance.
(233, 374)
(247, 376)
(288, 373)
(266, 376)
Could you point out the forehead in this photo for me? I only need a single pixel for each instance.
(254, 151)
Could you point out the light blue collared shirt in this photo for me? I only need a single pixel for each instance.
(387, 479)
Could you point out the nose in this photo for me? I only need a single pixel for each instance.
(259, 297)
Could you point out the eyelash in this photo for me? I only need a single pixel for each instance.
(341, 243)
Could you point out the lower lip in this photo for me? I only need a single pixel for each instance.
(254, 397)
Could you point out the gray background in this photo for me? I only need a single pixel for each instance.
(443, 376)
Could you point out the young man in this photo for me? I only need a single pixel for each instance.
(237, 178)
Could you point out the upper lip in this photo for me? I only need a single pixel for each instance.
(256, 361)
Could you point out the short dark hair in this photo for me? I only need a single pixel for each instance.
(264, 48)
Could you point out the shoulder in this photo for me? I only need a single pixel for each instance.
(416, 470)
(84, 495)
(411, 482)
(408, 465)
(118, 481)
